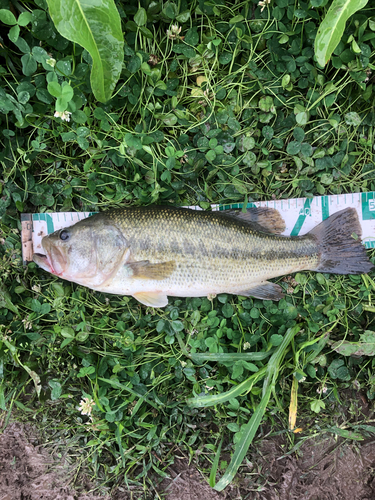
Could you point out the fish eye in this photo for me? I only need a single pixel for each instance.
(64, 235)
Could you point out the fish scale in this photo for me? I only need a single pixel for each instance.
(249, 257)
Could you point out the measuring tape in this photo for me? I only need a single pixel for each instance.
(300, 216)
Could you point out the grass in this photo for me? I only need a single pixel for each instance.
(236, 111)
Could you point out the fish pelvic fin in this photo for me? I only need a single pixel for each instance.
(265, 290)
(339, 243)
(145, 270)
(152, 299)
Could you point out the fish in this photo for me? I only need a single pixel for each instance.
(154, 252)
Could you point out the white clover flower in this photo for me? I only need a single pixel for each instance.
(36, 288)
(174, 31)
(246, 346)
(263, 4)
(64, 115)
(51, 62)
(183, 364)
(86, 405)
(27, 323)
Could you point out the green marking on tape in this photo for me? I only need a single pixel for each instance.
(368, 206)
(47, 218)
(325, 207)
(303, 213)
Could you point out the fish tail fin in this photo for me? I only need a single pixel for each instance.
(339, 241)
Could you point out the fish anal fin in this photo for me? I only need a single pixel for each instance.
(264, 290)
(146, 270)
(152, 299)
(263, 219)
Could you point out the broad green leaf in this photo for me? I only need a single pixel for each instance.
(29, 65)
(183, 17)
(5, 300)
(86, 370)
(56, 389)
(96, 26)
(67, 92)
(332, 28)
(7, 17)
(67, 332)
(353, 118)
(22, 45)
(236, 19)
(192, 37)
(146, 32)
(365, 347)
(14, 33)
(54, 89)
(24, 18)
(210, 155)
(302, 118)
(316, 405)
(140, 18)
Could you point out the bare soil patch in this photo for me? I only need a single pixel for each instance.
(187, 483)
(26, 470)
(324, 469)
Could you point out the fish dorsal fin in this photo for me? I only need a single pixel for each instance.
(264, 290)
(263, 219)
(145, 270)
(152, 299)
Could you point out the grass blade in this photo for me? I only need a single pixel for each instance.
(215, 465)
(227, 357)
(243, 445)
(293, 404)
(252, 426)
(215, 399)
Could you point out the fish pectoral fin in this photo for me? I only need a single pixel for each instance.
(152, 299)
(264, 290)
(145, 270)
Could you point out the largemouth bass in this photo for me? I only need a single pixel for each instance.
(153, 252)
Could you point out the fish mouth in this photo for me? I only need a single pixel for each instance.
(45, 262)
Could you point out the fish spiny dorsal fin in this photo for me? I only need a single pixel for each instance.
(267, 220)
(145, 270)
